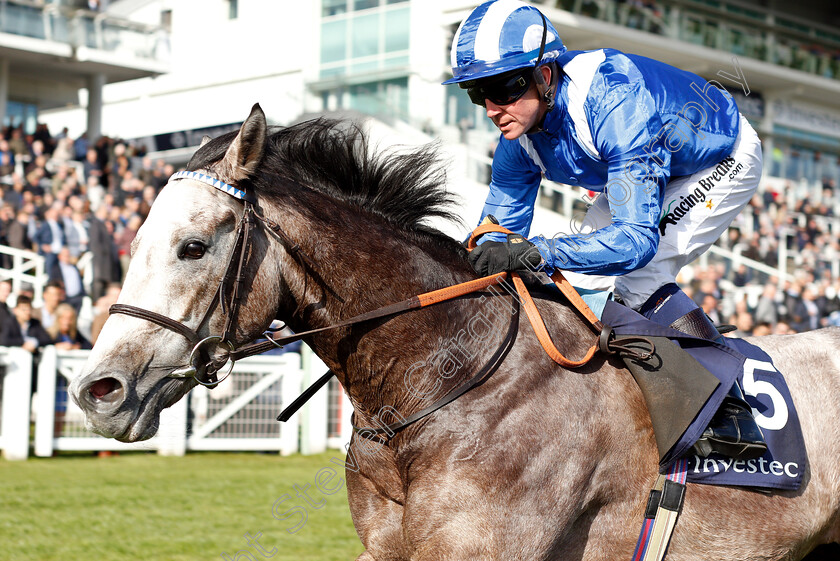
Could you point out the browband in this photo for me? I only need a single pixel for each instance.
(213, 182)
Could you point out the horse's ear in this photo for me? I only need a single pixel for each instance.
(246, 150)
(204, 140)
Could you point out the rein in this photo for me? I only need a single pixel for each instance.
(204, 368)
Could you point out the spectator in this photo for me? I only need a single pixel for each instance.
(18, 232)
(743, 324)
(762, 329)
(125, 238)
(80, 148)
(783, 328)
(766, 309)
(806, 313)
(92, 167)
(742, 276)
(14, 196)
(66, 273)
(7, 216)
(53, 296)
(146, 173)
(63, 151)
(23, 330)
(76, 229)
(18, 144)
(5, 292)
(64, 331)
(7, 159)
(710, 306)
(50, 236)
(105, 255)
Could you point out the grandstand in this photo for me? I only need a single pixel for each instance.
(156, 75)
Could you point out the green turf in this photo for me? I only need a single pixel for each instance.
(143, 506)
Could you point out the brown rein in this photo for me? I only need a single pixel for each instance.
(462, 289)
(202, 362)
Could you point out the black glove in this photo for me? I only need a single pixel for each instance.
(516, 254)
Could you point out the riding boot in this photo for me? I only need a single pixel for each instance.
(732, 431)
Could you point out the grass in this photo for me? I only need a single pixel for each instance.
(143, 506)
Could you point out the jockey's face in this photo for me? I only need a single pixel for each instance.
(521, 116)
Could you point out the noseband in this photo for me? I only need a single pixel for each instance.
(205, 359)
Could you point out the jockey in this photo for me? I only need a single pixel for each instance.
(670, 153)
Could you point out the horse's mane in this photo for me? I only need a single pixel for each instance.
(405, 187)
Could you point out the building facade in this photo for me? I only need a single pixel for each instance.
(386, 58)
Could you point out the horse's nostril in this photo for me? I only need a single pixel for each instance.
(106, 389)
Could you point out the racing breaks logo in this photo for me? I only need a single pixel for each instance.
(727, 168)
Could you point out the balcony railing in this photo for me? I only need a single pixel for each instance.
(726, 25)
(66, 24)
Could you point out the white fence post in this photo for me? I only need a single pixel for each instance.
(290, 389)
(313, 437)
(45, 404)
(17, 389)
(172, 434)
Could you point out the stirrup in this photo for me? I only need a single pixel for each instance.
(733, 431)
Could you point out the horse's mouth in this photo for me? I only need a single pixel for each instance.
(145, 421)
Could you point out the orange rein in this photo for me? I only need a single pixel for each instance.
(531, 309)
(602, 339)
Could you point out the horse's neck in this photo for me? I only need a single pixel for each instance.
(361, 267)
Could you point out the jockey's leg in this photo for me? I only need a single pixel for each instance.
(733, 430)
(697, 210)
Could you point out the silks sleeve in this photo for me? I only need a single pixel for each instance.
(628, 134)
(514, 186)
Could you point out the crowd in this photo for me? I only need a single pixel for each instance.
(63, 197)
(755, 302)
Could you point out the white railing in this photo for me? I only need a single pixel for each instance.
(27, 268)
(82, 28)
(240, 414)
(15, 391)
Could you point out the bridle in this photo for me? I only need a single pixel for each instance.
(204, 367)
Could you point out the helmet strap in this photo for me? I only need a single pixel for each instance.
(546, 91)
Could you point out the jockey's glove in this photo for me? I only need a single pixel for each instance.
(515, 254)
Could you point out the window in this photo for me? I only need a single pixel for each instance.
(365, 35)
(385, 97)
(365, 4)
(396, 30)
(333, 7)
(334, 41)
(18, 113)
(364, 42)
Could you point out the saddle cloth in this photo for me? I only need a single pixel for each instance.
(785, 462)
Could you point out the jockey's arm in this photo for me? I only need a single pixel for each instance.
(626, 131)
(514, 186)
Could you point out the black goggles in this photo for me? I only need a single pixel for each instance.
(503, 91)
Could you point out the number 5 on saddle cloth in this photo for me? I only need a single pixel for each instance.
(684, 384)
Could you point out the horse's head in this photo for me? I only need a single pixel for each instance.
(189, 243)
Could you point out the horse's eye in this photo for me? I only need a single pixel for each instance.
(193, 250)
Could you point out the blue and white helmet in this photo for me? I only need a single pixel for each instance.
(500, 36)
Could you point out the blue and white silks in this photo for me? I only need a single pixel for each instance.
(625, 125)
